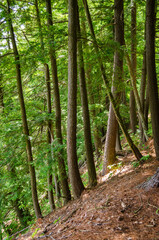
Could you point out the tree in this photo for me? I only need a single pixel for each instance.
(134, 149)
(48, 97)
(86, 119)
(151, 70)
(76, 182)
(24, 117)
(61, 164)
(133, 116)
(112, 128)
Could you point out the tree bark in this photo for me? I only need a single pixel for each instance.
(61, 164)
(49, 138)
(112, 127)
(133, 116)
(76, 182)
(151, 71)
(86, 119)
(142, 95)
(24, 118)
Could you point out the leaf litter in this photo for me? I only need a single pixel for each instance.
(116, 209)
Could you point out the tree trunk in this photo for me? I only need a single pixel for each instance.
(86, 119)
(76, 182)
(133, 116)
(142, 94)
(61, 164)
(48, 88)
(112, 127)
(96, 131)
(24, 119)
(134, 149)
(49, 138)
(151, 71)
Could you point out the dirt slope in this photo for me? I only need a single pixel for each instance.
(115, 210)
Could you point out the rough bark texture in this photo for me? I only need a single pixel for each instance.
(76, 182)
(151, 71)
(112, 127)
(133, 116)
(61, 164)
(152, 183)
(86, 119)
(24, 119)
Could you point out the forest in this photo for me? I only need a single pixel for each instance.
(78, 87)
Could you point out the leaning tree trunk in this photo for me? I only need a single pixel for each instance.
(112, 128)
(76, 182)
(134, 149)
(151, 71)
(24, 118)
(86, 119)
(61, 163)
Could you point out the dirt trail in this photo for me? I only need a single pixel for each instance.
(115, 210)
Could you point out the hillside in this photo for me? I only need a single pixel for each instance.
(114, 210)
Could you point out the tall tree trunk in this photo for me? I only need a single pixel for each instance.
(151, 71)
(49, 125)
(76, 182)
(142, 95)
(134, 149)
(86, 119)
(112, 128)
(133, 116)
(24, 118)
(61, 164)
(49, 138)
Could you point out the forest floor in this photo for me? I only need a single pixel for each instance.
(116, 209)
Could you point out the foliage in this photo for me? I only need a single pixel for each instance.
(136, 164)
(14, 169)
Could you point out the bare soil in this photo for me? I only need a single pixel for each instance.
(116, 209)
